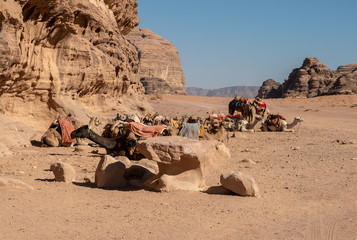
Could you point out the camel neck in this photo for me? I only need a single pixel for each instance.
(108, 143)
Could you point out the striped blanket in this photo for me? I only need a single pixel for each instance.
(66, 129)
(144, 130)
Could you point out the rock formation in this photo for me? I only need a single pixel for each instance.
(55, 55)
(160, 67)
(312, 79)
(247, 91)
(184, 164)
(270, 89)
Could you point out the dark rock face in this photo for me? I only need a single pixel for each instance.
(270, 89)
(312, 79)
(247, 91)
(160, 68)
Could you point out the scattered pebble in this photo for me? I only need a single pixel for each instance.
(295, 148)
(248, 161)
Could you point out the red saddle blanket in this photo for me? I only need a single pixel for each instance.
(66, 128)
(145, 131)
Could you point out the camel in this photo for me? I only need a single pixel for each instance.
(220, 134)
(114, 128)
(244, 126)
(53, 137)
(122, 145)
(257, 107)
(277, 123)
(242, 105)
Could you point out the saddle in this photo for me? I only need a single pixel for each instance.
(259, 105)
(67, 126)
(274, 120)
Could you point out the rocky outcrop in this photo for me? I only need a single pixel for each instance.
(270, 89)
(160, 68)
(312, 79)
(184, 164)
(55, 55)
(247, 91)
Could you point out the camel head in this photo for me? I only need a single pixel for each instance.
(130, 145)
(82, 132)
(300, 119)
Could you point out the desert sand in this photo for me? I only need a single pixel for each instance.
(307, 181)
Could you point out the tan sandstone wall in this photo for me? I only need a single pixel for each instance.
(57, 56)
(160, 68)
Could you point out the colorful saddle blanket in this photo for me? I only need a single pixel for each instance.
(66, 128)
(259, 105)
(145, 131)
(274, 120)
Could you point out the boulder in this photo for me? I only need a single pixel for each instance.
(183, 163)
(63, 172)
(240, 183)
(13, 184)
(110, 172)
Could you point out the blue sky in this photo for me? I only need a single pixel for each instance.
(243, 43)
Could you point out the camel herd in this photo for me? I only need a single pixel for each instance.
(120, 135)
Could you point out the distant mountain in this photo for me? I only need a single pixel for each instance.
(247, 91)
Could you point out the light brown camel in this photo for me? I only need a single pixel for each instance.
(220, 134)
(279, 124)
(244, 126)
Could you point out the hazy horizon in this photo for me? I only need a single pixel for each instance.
(244, 43)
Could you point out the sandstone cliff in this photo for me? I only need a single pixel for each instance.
(56, 56)
(247, 91)
(160, 68)
(312, 79)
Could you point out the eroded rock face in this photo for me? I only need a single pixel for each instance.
(312, 79)
(160, 66)
(269, 89)
(55, 54)
(183, 163)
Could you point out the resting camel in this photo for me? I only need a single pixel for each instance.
(58, 132)
(219, 134)
(244, 126)
(122, 145)
(277, 123)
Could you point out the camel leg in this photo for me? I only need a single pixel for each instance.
(286, 129)
(264, 127)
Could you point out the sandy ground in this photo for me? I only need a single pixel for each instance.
(307, 180)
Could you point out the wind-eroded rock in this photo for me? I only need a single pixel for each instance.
(312, 79)
(58, 54)
(160, 66)
(183, 163)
